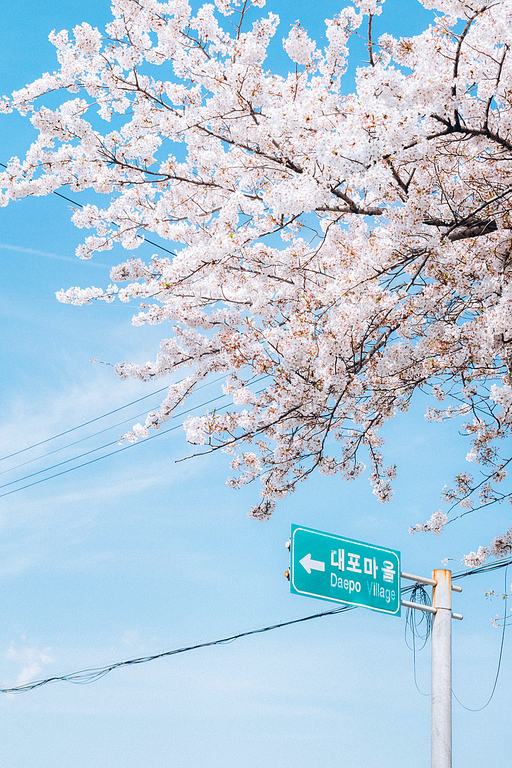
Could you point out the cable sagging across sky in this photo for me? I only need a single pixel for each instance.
(85, 676)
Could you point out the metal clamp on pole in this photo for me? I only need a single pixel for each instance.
(428, 609)
(418, 579)
(419, 606)
(432, 583)
(424, 580)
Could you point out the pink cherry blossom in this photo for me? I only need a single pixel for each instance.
(331, 252)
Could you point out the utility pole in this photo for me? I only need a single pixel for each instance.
(441, 674)
(442, 670)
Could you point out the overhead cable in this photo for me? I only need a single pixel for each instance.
(106, 445)
(99, 458)
(500, 657)
(98, 418)
(79, 205)
(85, 676)
(94, 434)
(79, 426)
(90, 675)
(419, 627)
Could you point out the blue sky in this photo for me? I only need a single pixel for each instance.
(137, 554)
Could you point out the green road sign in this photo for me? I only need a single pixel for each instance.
(330, 567)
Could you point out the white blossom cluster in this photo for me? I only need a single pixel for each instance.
(331, 253)
(298, 46)
(501, 546)
(435, 525)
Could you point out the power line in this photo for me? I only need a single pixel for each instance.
(493, 566)
(503, 563)
(500, 657)
(79, 205)
(85, 676)
(94, 450)
(94, 434)
(420, 627)
(79, 426)
(70, 445)
(98, 418)
(105, 445)
(99, 458)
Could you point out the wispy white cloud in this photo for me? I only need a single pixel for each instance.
(31, 658)
(93, 391)
(35, 252)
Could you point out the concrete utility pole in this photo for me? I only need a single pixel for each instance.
(441, 706)
(442, 670)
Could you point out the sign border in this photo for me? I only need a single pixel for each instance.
(296, 591)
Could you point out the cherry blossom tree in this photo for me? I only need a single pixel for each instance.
(333, 252)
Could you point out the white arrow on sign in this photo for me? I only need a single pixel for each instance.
(312, 565)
